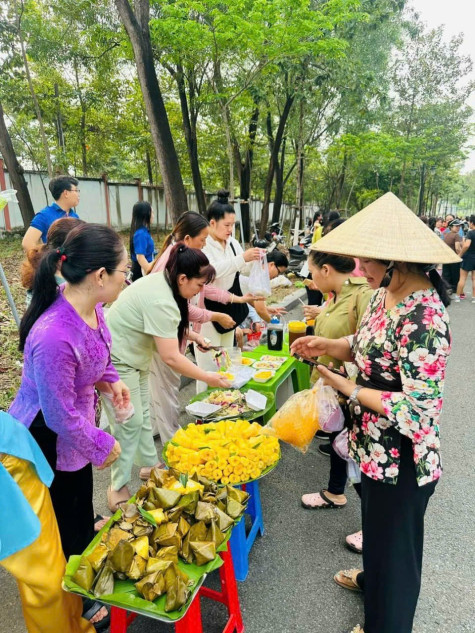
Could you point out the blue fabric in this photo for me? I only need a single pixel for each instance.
(143, 244)
(45, 218)
(19, 525)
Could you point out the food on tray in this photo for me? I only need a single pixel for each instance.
(246, 361)
(263, 375)
(227, 452)
(274, 359)
(232, 401)
(266, 364)
(192, 517)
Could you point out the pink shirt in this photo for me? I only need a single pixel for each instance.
(197, 313)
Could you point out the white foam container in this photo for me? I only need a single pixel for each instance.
(255, 400)
(202, 409)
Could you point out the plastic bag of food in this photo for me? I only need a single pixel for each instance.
(340, 445)
(259, 280)
(330, 415)
(296, 422)
(6, 196)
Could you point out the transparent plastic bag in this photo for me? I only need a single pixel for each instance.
(6, 196)
(353, 471)
(330, 415)
(340, 445)
(259, 280)
(121, 414)
(296, 422)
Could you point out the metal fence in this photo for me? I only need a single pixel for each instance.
(111, 202)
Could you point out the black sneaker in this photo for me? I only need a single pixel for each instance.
(322, 435)
(324, 449)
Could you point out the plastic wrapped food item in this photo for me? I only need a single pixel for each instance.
(340, 445)
(330, 415)
(296, 422)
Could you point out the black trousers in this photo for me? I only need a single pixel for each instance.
(451, 274)
(338, 473)
(71, 494)
(393, 533)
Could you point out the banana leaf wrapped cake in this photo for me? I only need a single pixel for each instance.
(172, 517)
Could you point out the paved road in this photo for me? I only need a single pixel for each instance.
(289, 588)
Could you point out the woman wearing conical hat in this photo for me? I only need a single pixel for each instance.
(401, 350)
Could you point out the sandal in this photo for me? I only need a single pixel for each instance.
(100, 522)
(346, 578)
(116, 498)
(355, 542)
(90, 608)
(311, 501)
(146, 471)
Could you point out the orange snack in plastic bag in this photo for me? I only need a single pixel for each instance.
(296, 422)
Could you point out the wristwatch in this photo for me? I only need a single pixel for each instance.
(353, 399)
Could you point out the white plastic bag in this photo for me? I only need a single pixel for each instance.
(330, 415)
(259, 280)
(120, 415)
(353, 471)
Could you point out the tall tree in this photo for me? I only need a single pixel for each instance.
(136, 23)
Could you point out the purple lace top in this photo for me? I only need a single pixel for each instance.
(63, 359)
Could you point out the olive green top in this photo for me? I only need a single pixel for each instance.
(341, 317)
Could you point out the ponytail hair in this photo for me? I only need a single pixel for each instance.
(189, 223)
(86, 248)
(429, 271)
(192, 263)
(440, 285)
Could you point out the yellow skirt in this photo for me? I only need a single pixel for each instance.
(39, 568)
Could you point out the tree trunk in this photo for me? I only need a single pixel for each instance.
(279, 185)
(189, 128)
(245, 173)
(137, 27)
(15, 171)
(274, 157)
(36, 105)
(82, 125)
(148, 162)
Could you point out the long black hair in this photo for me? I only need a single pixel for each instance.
(86, 248)
(192, 263)
(141, 216)
(428, 270)
(189, 223)
(219, 207)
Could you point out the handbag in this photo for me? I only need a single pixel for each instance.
(237, 311)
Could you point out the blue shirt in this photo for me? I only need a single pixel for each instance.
(143, 244)
(19, 525)
(45, 218)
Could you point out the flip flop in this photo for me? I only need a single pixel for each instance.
(90, 608)
(328, 503)
(99, 519)
(113, 507)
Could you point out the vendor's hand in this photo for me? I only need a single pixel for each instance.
(340, 383)
(309, 346)
(278, 310)
(252, 254)
(224, 320)
(120, 394)
(113, 455)
(247, 298)
(217, 380)
(202, 343)
(310, 312)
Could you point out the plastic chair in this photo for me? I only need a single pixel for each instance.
(191, 621)
(241, 543)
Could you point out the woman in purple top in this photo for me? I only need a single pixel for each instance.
(66, 347)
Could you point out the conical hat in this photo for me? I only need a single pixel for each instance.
(387, 229)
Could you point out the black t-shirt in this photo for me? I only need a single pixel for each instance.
(471, 236)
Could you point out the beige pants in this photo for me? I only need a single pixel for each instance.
(164, 385)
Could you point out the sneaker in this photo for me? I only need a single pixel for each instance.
(323, 435)
(463, 295)
(457, 299)
(324, 449)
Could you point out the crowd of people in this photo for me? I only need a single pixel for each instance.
(379, 306)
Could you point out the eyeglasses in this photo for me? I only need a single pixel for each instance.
(127, 272)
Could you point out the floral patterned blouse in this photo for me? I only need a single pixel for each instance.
(403, 352)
